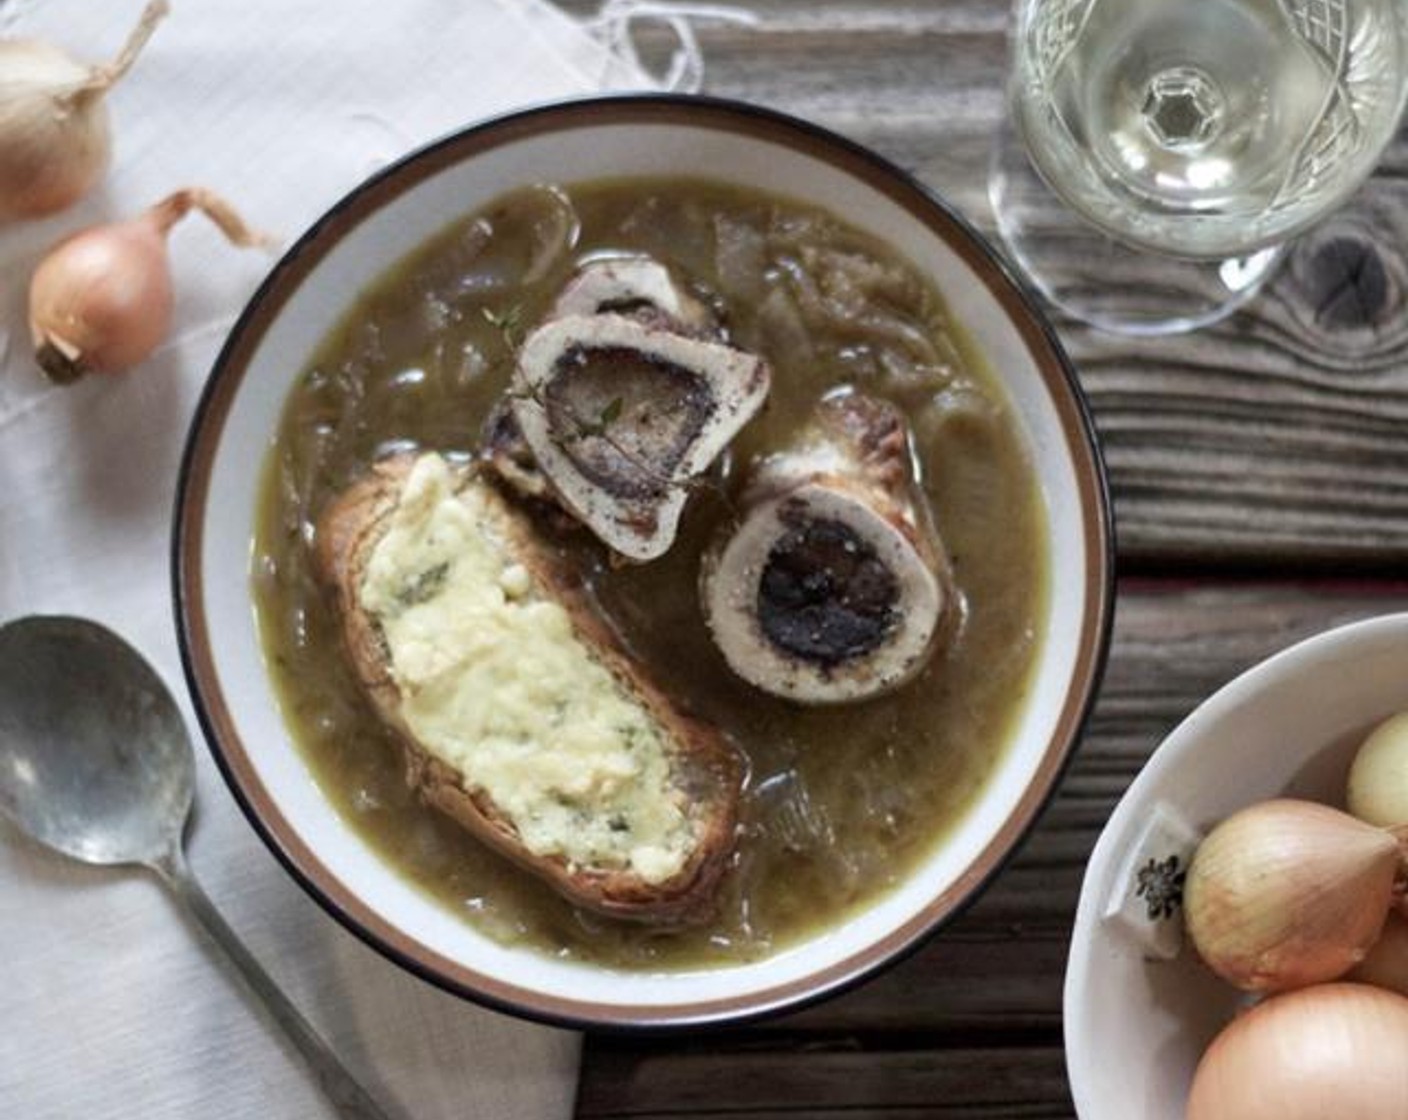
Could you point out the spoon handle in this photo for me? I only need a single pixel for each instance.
(350, 1099)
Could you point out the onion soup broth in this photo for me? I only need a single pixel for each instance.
(841, 801)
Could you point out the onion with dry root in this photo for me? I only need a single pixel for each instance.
(1333, 1050)
(101, 300)
(1288, 893)
(55, 138)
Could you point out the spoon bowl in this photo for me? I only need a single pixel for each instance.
(94, 758)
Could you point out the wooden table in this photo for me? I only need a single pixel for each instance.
(1260, 479)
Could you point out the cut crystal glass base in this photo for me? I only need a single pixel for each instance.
(1100, 281)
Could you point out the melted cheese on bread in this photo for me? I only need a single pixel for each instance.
(495, 682)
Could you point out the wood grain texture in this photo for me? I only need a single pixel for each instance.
(984, 996)
(843, 1079)
(1276, 438)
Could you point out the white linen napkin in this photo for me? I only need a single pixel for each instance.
(110, 1005)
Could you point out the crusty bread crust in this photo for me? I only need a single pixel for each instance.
(704, 765)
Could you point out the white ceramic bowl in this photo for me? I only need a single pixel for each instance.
(375, 226)
(1135, 1027)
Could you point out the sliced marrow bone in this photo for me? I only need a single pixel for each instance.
(835, 586)
(637, 286)
(503, 447)
(621, 416)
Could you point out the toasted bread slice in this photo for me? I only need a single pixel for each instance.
(641, 826)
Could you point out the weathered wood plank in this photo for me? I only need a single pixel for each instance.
(1277, 436)
(836, 1078)
(1037, 1111)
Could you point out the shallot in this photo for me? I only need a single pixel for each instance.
(55, 137)
(101, 300)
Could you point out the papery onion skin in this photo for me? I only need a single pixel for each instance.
(55, 133)
(1328, 1052)
(1288, 893)
(1386, 966)
(51, 155)
(1378, 777)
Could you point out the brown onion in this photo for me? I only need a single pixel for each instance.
(101, 300)
(1332, 1050)
(55, 139)
(1288, 893)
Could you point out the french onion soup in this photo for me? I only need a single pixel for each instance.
(650, 570)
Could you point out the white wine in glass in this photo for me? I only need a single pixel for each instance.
(1207, 130)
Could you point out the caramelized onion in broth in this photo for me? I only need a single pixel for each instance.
(842, 802)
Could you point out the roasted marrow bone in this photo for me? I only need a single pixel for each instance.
(504, 451)
(636, 286)
(517, 711)
(834, 586)
(622, 417)
(639, 286)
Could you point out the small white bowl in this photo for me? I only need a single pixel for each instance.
(374, 227)
(1135, 1027)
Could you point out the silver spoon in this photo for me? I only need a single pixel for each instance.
(95, 763)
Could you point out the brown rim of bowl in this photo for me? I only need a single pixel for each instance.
(192, 491)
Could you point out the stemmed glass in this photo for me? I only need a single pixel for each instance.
(1192, 138)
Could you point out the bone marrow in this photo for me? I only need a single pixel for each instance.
(622, 416)
(834, 586)
(825, 594)
(629, 452)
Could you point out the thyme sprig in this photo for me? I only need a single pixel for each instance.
(509, 324)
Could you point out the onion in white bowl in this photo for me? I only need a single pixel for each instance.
(1135, 1027)
(1330, 1050)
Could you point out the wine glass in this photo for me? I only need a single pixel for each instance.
(1193, 137)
